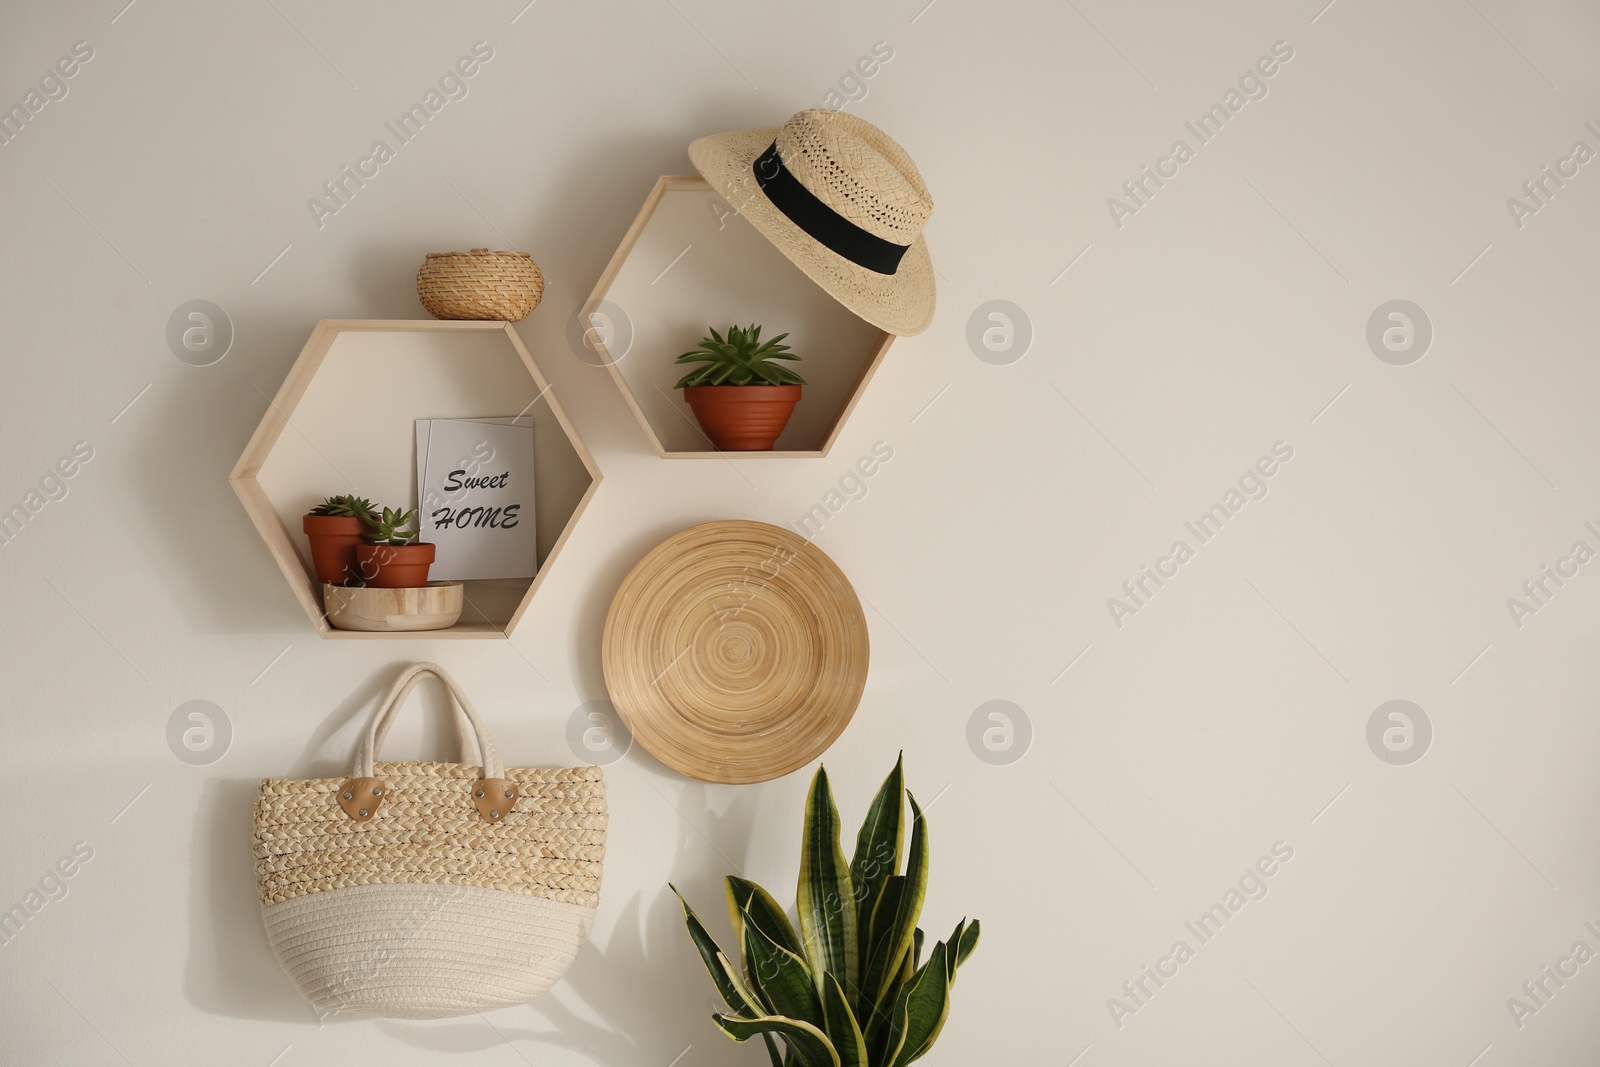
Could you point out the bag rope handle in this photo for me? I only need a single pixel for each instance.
(389, 709)
(378, 725)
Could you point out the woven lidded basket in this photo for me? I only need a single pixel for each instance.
(480, 284)
(424, 890)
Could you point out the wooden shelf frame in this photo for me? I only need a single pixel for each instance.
(871, 356)
(281, 543)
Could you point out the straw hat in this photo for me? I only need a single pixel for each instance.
(842, 200)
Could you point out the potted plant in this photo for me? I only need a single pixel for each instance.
(334, 528)
(393, 558)
(742, 398)
(852, 986)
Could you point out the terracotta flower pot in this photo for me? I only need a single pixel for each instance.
(742, 418)
(394, 566)
(333, 546)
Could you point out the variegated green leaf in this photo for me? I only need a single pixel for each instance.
(843, 1030)
(877, 1023)
(891, 1038)
(921, 1009)
(901, 931)
(882, 1009)
(916, 876)
(746, 897)
(879, 845)
(950, 958)
(780, 977)
(747, 996)
(961, 944)
(876, 972)
(739, 998)
(808, 1043)
(884, 1013)
(968, 942)
(826, 904)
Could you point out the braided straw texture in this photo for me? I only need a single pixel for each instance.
(423, 951)
(427, 832)
(480, 284)
(735, 652)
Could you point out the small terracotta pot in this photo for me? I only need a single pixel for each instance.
(394, 566)
(742, 418)
(333, 546)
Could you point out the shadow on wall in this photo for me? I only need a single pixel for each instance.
(645, 997)
(231, 970)
(586, 633)
(193, 533)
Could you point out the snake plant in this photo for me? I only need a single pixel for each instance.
(851, 988)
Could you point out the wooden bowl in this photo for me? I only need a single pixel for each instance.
(735, 652)
(435, 606)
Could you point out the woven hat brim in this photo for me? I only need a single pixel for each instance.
(901, 303)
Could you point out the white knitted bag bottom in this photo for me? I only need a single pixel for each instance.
(423, 951)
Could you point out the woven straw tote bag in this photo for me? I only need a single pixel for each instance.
(423, 890)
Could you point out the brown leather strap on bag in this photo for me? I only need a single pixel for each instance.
(363, 793)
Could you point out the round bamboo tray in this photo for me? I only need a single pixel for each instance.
(480, 284)
(435, 606)
(735, 652)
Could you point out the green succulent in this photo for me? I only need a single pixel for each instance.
(743, 359)
(345, 506)
(852, 988)
(390, 528)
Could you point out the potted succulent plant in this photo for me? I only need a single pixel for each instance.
(742, 398)
(393, 558)
(852, 986)
(334, 528)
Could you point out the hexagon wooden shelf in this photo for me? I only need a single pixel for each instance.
(350, 403)
(689, 262)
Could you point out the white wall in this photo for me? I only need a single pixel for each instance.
(1227, 314)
